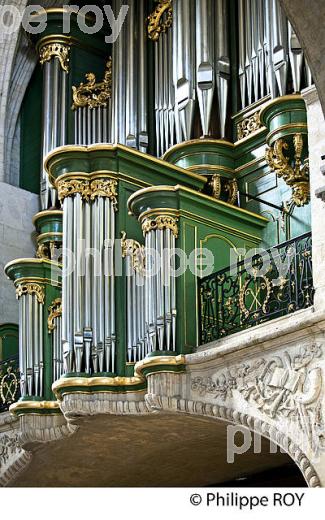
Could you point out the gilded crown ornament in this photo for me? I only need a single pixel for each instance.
(295, 173)
(30, 289)
(160, 20)
(88, 190)
(160, 222)
(93, 94)
(59, 51)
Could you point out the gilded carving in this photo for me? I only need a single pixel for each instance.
(31, 288)
(72, 187)
(88, 190)
(55, 311)
(56, 50)
(248, 126)
(220, 186)
(104, 188)
(160, 222)
(160, 20)
(94, 94)
(296, 176)
(246, 292)
(135, 251)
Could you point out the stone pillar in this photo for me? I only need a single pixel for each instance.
(316, 137)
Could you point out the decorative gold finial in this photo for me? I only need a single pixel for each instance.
(93, 94)
(60, 51)
(296, 176)
(160, 20)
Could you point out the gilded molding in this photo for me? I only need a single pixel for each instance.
(88, 190)
(94, 94)
(31, 288)
(160, 19)
(296, 176)
(55, 311)
(249, 125)
(160, 222)
(57, 50)
(171, 361)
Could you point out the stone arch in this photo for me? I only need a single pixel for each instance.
(232, 416)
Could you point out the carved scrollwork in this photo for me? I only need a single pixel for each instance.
(295, 173)
(220, 186)
(104, 188)
(88, 190)
(263, 285)
(55, 311)
(248, 126)
(160, 20)
(72, 187)
(135, 251)
(94, 94)
(287, 386)
(31, 288)
(160, 222)
(55, 50)
(8, 386)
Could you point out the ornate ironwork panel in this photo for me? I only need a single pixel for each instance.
(9, 382)
(267, 286)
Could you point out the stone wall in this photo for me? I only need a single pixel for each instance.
(17, 208)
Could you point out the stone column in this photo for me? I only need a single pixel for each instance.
(316, 137)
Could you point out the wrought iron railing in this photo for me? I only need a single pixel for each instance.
(9, 382)
(269, 285)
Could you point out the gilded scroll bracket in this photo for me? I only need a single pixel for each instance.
(93, 94)
(294, 172)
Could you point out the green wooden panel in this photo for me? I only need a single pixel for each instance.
(31, 136)
(9, 340)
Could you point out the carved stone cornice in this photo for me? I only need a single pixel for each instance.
(88, 190)
(93, 94)
(60, 51)
(160, 19)
(31, 288)
(297, 175)
(160, 222)
(55, 311)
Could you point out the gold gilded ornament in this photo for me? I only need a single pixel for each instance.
(59, 51)
(160, 20)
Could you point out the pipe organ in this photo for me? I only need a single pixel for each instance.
(188, 80)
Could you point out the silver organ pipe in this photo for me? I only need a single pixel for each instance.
(133, 254)
(223, 62)
(268, 46)
(54, 125)
(205, 61)
(88, 294)
(160, 288)
(31, 308)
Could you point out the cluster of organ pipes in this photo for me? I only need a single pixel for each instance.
(54, 126)
(58, 368)
(192, 71)
(160, 289)
(137, 343)
(31, 308)
(268, 52)
(88, 290)
(92, 125)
